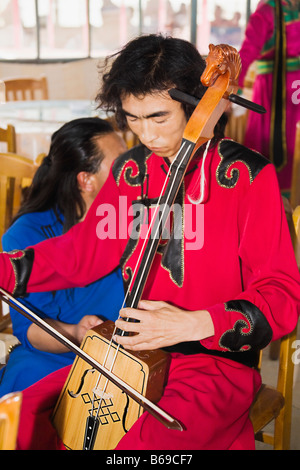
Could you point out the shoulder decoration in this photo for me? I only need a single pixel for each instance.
(171, 245)
(231, 153)
(134, 165)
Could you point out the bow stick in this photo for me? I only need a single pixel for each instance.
(157, 412)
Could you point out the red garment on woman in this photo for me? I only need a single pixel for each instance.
(260, 45)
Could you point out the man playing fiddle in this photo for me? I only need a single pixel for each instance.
(212, 304)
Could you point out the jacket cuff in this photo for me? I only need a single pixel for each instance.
(21, 261)
(239, 326)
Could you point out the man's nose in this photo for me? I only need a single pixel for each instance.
(148, 132)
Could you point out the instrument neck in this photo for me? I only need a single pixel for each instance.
(162, 211)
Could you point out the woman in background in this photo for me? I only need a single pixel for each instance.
(62, 191)
(272, 39)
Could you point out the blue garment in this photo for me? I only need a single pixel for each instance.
(104, 298)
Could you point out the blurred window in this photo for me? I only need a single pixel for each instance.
(18, 29)
(63, 28)
(49, 30)
(221, 22)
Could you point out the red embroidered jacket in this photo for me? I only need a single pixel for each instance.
(231, 254)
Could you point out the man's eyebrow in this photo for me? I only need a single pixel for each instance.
(148, 116)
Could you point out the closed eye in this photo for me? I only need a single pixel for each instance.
(131, 118)
(157, 116)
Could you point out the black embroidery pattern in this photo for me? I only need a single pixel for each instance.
(22, 266)
(132, 166)
(252, 333)
(134, 175)
(172, 251)
(131, 245)
(137, 156)
(231, 152)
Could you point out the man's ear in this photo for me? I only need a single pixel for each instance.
(85, 181)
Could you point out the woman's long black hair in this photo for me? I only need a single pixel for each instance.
(73, 149)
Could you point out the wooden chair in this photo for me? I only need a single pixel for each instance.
(295, 187)
(16, 173)
(10, 406)
(296, 241)
(130, 139)
(21, 89)
(275, 404)
(39, 159)
(8, 135)
(236, 126)
(238, 118)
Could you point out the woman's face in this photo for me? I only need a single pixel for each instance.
(112, 145)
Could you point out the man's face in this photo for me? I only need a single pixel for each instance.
(157, 120)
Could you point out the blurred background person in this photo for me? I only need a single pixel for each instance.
(272, 38)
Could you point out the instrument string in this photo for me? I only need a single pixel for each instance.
(146, 240)
(109, 346)
(165, 209)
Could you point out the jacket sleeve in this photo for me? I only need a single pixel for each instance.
(44, 301)
(268, 306)
(74, 259)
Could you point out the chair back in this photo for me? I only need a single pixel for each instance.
(295, 186)
(10, 406)
(16, 173)
(237, 116)
(236, 126)
(130, 139)
(275, 404)
(22, 89)
(8, 135)
(294, 225)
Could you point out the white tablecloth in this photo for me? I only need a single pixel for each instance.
(35, 121)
